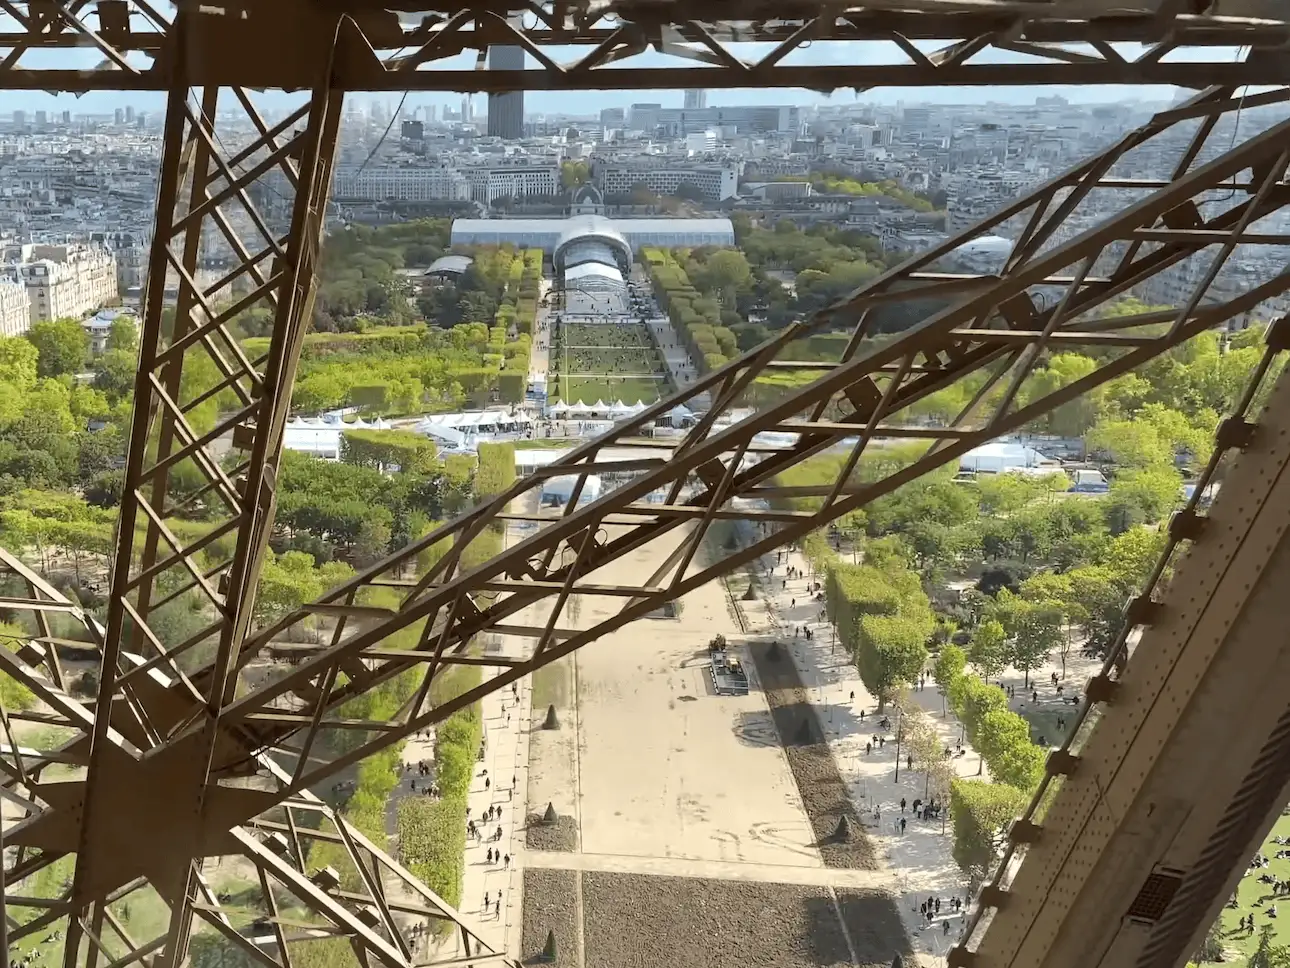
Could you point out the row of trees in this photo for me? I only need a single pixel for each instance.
(697, 319)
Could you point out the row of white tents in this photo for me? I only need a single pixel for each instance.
(615, 410)
(599, 408)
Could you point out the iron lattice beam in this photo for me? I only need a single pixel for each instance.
(169, 726)
(131, 45)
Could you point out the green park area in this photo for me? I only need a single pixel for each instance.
(592, 362)
(1268, 945)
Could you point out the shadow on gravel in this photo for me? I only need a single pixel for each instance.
(820, 785)
(874, 924)
(648, 921)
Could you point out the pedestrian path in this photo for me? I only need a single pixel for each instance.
(499, 777)
(919, 853)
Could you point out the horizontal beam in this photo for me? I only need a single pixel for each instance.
(824, 77)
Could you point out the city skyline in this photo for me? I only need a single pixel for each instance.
(580, 103)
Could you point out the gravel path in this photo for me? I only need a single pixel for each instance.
(824, 795)
(636, 920)
(550, 900)
(540, 835)
(874, 923)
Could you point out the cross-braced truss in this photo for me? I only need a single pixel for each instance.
(133, 44)
(206, 762)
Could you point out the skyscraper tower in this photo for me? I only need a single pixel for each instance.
(696, 100)
(506, 111)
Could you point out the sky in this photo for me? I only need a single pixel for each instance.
(590, 102)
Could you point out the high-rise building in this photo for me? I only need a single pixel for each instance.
(506, 111)
(67, 117)
(129, 114)
(19, 119)
(42, 119)
(467, 114)
(696, 100)
(118, 116)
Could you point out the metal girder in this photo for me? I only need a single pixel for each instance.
(169, 727)
(1149, 819)
(632, 45)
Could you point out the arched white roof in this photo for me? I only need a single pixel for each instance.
(581, 227)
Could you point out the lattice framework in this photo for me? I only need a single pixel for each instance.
(246, 762)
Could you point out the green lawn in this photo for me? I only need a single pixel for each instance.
(606, 361)
(627, 389)
(1255, 897)
(548, 443)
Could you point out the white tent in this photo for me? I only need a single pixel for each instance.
(559, 407)
(600, 407)
(620, 409)
(580, 408)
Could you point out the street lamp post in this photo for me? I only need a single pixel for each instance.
(897, 780)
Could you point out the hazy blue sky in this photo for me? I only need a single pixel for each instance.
(590, 102)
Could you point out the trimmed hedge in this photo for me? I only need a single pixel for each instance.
(884, 619)
(384, 449)
(432, 833)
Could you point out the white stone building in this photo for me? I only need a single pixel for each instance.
(66, 281)
(15, 307)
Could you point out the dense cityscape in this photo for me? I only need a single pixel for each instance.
(829, 743)
(80, 188)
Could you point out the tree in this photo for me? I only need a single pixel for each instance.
(728, 273)
(1267, 954)
(573, 174)
(641, 195)
(1131, 443)
(287, 581)
(1003, 738)
(18, 362)
(950, 665)
(689, 192)
(61, 346)
(373, 541)
(114, 372)
(124, 335)
(1038, 631)
(982, 813)
(1211, 947)
(920, 738)
(988, 650)
(1153, 491)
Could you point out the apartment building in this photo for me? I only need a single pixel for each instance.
(717, 182)
(15, 307)
(401, 183)
(488, 182)
(65, 281)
